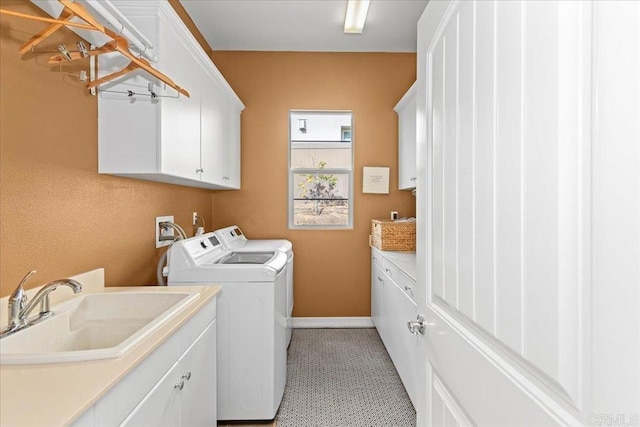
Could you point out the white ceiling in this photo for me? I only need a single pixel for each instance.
(305, 25)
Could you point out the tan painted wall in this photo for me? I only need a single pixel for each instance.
(57, 214)
(332, 268)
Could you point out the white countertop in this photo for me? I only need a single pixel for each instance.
(405, 261)
(56, 394)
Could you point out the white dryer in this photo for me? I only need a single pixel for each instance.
(233, 239)
(251, 322)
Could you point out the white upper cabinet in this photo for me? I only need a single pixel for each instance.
(220, 127)
(406, 110)
(193, 141)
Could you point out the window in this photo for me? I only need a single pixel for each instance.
(320, 169)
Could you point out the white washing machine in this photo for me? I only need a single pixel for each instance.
(251, 321)
(233, 239)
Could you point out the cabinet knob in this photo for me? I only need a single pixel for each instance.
(179, 386)
(187, 376)
(200, 170)
(409, 290)
(388, 271)
(226, 178)
(380, 279)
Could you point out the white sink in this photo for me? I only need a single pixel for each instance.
(93, 326)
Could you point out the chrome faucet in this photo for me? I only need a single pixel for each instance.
(19, 310)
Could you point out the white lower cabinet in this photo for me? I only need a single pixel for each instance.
(186, 395)
(173, 386)
(161, 406)
(390, 318)
(392, 305)
(198, 396)
(377, 290)
(407, 344)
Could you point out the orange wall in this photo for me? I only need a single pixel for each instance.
(332, 268)
(57, 214)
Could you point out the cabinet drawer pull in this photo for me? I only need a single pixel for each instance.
(200, 170)
(380, 279)
(187, 376)
(408, 289)
(388, 271)
(179, 386)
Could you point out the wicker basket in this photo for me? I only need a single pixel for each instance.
(390, 235)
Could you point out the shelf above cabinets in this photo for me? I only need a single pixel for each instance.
(169, 138)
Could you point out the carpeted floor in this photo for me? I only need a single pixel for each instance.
(342, 378)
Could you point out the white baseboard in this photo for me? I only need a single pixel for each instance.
(332, 322)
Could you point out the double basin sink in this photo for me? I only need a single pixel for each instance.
(93, 326)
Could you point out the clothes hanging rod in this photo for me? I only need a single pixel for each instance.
(120, 43)
(117, 20)
(132, 94)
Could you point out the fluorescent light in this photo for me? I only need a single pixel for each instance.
(356, 15)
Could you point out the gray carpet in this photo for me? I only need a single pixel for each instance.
(342, 378)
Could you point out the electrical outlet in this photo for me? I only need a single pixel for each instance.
(194, 218)
(167, 231)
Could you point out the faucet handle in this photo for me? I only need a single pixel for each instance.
(18, 299)
(27, 277)
(18, 294)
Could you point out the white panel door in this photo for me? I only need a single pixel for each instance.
(507, 191)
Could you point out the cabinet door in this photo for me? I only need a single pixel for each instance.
(389, 316)
(179, 153)
(160, 407)
(213, 117)
(198, 370)
(407, 142)
(407, 343)
(232, 143)
(377, 291)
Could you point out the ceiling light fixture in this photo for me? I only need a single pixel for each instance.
(356, 16)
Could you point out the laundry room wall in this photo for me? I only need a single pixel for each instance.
(57, 214)
(332, 267)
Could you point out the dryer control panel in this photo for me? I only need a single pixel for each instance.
(232, 237)
(202, 245)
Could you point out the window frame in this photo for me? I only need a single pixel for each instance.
(292, 172)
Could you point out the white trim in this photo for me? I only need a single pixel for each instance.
(332, 322)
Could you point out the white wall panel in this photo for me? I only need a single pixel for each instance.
(437, 410)
(508, 174)
(483, 167)
(450, 173)
(452, 414)
(541, 187)
(438, 135)
(466, 150)
(534, 207)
